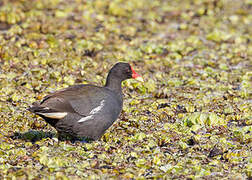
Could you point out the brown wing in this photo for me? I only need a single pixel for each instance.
(79, 99)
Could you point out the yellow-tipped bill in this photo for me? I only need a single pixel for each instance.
(139, 78)
(136, 76)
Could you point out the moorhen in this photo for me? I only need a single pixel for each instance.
(86, 111)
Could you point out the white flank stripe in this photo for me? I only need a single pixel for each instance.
(93, 111)
(55, 115)
(85, 118)
(98, 108)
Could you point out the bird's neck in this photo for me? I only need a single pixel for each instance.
(114, 84)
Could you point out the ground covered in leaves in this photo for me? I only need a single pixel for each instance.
(190, 119)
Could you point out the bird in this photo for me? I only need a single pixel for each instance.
(86, 110)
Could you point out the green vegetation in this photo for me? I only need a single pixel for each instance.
(191, 118)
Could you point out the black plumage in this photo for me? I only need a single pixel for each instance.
(86, 110)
